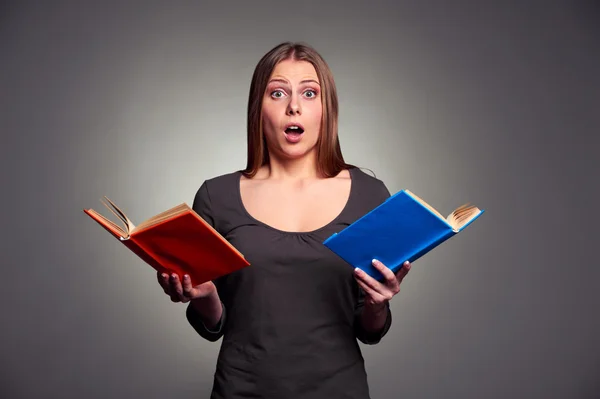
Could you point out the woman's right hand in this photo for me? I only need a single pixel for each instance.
(182, 291)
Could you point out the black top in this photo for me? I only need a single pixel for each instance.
(289, 323)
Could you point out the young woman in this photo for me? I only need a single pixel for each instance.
(290, 322)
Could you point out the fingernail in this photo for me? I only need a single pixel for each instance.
(186, 276)
(374, 261)
(357, 270)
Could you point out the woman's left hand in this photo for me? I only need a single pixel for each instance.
(378, 294)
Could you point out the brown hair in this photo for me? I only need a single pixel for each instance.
(329, 154)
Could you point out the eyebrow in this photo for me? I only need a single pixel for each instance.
(286, 82)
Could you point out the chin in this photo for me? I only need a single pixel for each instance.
(293, 150)
(296, 152)
(297, 155)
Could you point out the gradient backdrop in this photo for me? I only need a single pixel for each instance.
(496, 103)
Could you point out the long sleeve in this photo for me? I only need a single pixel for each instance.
(203, 207)
(380, 194)
(368, 337)
(195, 321)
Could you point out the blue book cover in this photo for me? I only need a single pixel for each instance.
(402, 228)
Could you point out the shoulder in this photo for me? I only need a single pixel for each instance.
(368, 183)
(216, 198)
(217, 189)
(220, 185)
(367, 192)
(225, 178)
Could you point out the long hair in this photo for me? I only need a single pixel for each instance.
(329, 154)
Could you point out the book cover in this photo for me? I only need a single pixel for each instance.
(176, 241)
(402, 228)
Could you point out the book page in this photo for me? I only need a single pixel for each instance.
(458, 218)
(110, 225)
(462, 215)
(120, 214)
(425, 204)
(169, 213)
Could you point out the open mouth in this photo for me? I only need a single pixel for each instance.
(294, 129)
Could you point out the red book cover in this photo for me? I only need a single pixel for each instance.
(176, 241)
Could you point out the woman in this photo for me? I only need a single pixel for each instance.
(290, 322)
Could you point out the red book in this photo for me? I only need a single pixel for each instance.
(176, 241)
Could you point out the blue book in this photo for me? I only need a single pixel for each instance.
(403, 228)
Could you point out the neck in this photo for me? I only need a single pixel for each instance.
(292, 169)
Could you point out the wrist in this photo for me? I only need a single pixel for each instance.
(204, 302)
(376, 309)
(209, 308)
(374, 317)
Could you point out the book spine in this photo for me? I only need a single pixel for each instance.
(137, 249)
(103, 224)
(434, 243)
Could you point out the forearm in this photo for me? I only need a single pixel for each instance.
(209, 309)
(373, 318)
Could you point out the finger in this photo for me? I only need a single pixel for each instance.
(163, 280)
(375, 295)
(384, 270)
(176, 290)
(403, 271)
(166, 284)
(373, 284)
(187, 287)
(179, 290)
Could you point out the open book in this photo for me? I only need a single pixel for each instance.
(403, 228)
(177, 241)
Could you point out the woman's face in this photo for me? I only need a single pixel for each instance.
(292, 110)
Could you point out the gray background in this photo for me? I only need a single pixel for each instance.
(493, 103)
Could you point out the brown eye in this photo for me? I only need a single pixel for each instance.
(310, 93)
(277, 94)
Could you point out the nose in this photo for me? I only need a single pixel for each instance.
(293, 107)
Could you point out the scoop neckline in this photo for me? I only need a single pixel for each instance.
(238, 181)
